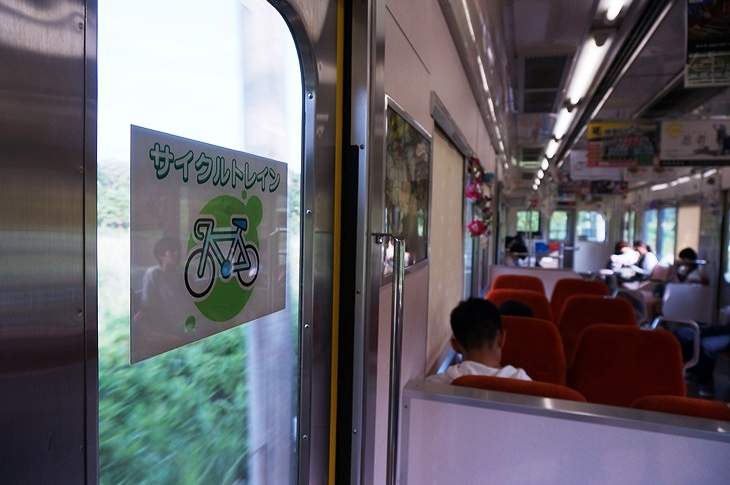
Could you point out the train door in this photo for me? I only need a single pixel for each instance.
(561, 237)
(248, 404)
(592, 247)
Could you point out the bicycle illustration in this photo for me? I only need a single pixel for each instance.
(242, 257)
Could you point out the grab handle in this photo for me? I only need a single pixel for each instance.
(396, 337)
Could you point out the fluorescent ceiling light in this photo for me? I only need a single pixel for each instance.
(614, 9)
(656, 187)
(534, 186)
(540, 174)
(537, 181)
(589, 60)
(544, 164)
(552, 147)
(562, 123)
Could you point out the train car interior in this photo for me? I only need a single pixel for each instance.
(232, 235)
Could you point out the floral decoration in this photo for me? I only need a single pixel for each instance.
(479, 191)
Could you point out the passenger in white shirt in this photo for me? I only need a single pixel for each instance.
(646, 262)
(479, 338)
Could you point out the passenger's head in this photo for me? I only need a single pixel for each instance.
(620, 247)
(640, 246)
(477, 327)
(515, 308)
(167, 251)
(688, 254)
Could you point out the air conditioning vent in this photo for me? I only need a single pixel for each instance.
(540, 82)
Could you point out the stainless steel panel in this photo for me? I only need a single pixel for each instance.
(314, 26)
(42, 213)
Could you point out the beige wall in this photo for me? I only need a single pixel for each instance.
(446, 285)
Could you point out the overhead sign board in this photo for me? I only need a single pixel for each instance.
(208, 226)
(708, 43)
(622, 144)
(695, 142)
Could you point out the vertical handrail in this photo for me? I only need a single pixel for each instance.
(396, 337)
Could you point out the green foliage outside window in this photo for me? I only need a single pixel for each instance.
(528, 221)
(558, 229)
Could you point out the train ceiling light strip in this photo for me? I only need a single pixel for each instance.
(649, 20)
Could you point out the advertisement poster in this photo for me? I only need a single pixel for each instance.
(622, 144)
(708, 43)
(579, 169)
(695, 142)
(208, 230)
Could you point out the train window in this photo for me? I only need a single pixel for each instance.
(222, 409)
(627, 233)
(660, 232)
(651, 218)
(559, 226)
(667, 233)
(591, 226)
(528, 222)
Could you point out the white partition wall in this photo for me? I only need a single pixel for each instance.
(454, 435)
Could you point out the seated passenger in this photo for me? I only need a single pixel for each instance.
(714, 340)
(646, 262)
(622, 259)
(479, 338)
(688, 270)
(517, 251)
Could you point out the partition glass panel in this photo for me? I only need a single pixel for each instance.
(222, 409)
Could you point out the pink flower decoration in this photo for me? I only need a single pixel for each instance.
(472, 191)
(477, 228)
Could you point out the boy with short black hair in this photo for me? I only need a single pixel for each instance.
(479, 338)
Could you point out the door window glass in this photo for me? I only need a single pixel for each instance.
(528, 222)
(559, 229)
(591, 226)
(223, 409)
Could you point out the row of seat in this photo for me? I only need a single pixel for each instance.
(594, 346)
(612, 364)
(576, 313)
(681, 405)
(583, 345)
(562, 289)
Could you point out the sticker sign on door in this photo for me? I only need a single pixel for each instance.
(208, 232)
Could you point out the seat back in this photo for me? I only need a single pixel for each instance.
(582, 311)
(688, 301)
(534, 345)
(538, 302)
(687, 406)
(568, 287)
(518, 282)
(618, 364)
(662, 273)
(517, 386)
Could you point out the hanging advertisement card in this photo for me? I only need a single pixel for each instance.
(695, 142)
(579, 169)
(623, 144)
(707, 43)
(208, 226)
